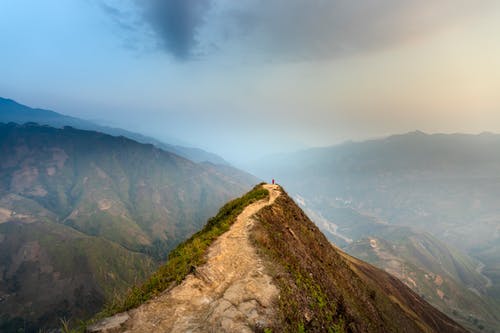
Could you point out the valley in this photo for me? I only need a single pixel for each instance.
(429, 203)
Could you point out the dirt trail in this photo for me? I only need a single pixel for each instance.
(229, 293)
(479, 270)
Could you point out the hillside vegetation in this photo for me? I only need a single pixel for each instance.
(325, 290)
(51, 271)
(446, 277)
(88, 213)
(436, 273)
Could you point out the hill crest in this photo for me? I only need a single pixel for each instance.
(309, 284)
(12, 111)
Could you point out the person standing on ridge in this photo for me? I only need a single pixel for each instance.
(273, 181)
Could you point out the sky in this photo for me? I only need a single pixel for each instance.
(249, 78)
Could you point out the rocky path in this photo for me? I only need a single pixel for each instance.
(229, 293)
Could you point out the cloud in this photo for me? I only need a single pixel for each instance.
(176, 23)
(324, 29)
(296, 29)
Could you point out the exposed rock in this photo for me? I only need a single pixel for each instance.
(109, 325)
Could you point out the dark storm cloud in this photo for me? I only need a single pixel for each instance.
(176, 23)
(296, 29)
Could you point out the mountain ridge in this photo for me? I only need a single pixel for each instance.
(310, 285)
(11, 111)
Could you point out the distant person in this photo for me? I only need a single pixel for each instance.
(273, 181)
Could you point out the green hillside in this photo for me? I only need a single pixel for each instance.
(325, 290)
(444, 277)
(123, 204)
(111, 187)
(50, 271)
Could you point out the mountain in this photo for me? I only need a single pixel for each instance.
(448, 184)
(448, 278)
(442, 185)
(49, 271)
(445, 277)
(11, 111)
(270, 269)
(90, 214)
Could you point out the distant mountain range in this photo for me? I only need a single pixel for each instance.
(11, 111)
(443, 190)
(84, 215)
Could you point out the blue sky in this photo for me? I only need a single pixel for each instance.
(251, 77)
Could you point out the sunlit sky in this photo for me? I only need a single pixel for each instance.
(251, 77)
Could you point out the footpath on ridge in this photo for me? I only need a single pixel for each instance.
(229, 293)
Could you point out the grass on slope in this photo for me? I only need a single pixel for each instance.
(323, 290)
(304, 305)
(188, 255)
